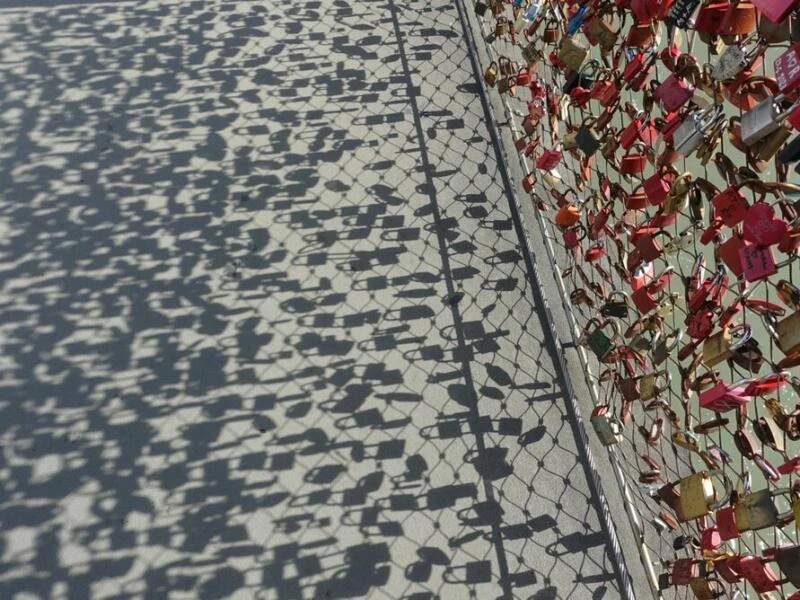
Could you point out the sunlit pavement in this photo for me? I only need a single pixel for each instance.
(267, 329)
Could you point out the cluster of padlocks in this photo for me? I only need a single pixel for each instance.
(664, 144)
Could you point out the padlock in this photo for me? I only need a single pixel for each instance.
(635, 159)
(711, 16)
(606, 425)
(720, 346)
(616, 308)
(647, 297)
(524, 76)
(787, 69)
(635, 200)
(674, 93)
(548, 160)
(681, 12)
(733, 60)
(490, 76)
(757, 262)
(706, 588)
(528, 182)
(698, 496)
(787, 333)
(481, 8)
(568, 215)
(598, 341)
(758, 574)
(649, 386)
(586, 140)
(729, 252)
(764, 119)
(757, 510)
(640, 35)
(531, 54)
(572, 52)
(740, 19)
(604, 32)
(657, 186)
(788, 559)
(648, 245)
(681, 572)
(776, 10)
(730, 205)
(722, 397)
(760, 226)
(628, 387)
(551, 32)
(690, 134)
(502, 26)
(584, 78)
(663, 345)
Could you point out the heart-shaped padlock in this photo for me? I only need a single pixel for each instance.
(761, 227)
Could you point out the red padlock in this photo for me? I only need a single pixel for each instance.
(524, 76)
(579, 97)
(630, 135)
(787, 69)
(730, 206)
(723, 397)
(758, 574)
(657, 186)
(574, 236)
(548, 160)
(648, 245)
(701, 323)
(710, 16)
(760, 226)
(728, 252)
(648, 297)
(595, 252)
(635, 66)
(634, 162)
(527, 183)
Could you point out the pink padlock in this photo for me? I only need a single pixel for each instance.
(757, 262)
(710, 538)
(787, 69)
(722, 398)
(674, 93)
(776, 10)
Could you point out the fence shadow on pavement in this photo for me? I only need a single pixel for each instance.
(265, 324)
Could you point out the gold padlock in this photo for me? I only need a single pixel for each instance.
(678, 196)
(698, 496)
(572, 53)
(716, 348)
(648, 384)
(502, 27)
(491, 74)
(705, 588)
(721, 346)
(604, 33)
(788, 333)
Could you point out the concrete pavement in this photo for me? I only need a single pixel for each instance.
(267, 327)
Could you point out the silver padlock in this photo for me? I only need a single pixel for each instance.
(763, 119)
(733, 60)
(688, 137)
